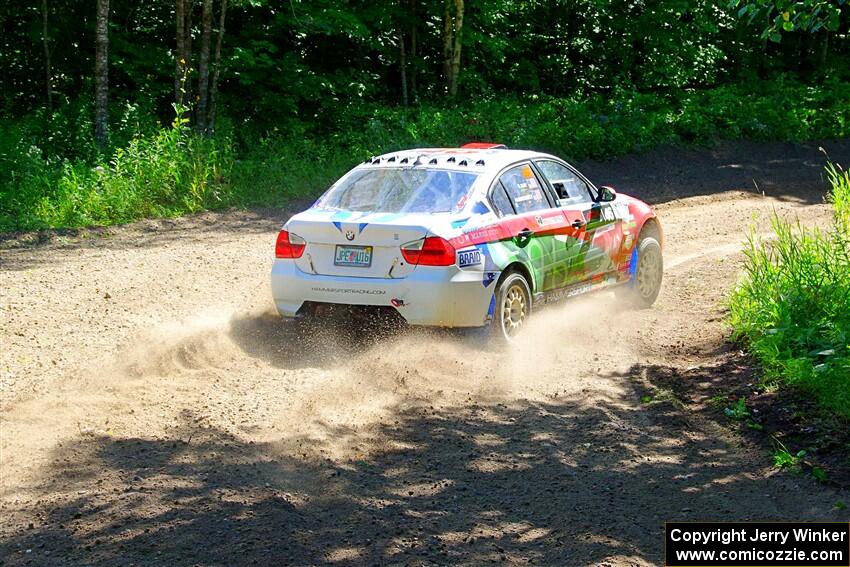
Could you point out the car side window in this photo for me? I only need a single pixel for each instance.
(524, 190)
(500, 200)
(569, 187)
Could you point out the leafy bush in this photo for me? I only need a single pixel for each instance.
(600, 127)
(170, 172)
(793, 306)
(51, 174)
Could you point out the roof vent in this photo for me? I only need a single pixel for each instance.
(376, 160)
(463, 162)
(392, 159)
(479, 162)
(404, 160)
(433, 162)
(451, 160)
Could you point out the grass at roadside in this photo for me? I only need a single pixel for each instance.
(51, 175)
(793, 306)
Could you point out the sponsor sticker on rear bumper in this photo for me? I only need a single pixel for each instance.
(349, 290)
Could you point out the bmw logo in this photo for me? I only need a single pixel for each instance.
(349, 234)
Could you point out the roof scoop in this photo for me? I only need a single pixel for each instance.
(484, 146)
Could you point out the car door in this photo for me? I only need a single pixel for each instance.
(532, 222)
(594, 232)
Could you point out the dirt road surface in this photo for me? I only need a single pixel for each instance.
(156, 411)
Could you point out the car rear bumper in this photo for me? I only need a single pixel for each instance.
(430, 295)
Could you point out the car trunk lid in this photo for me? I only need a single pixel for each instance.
(357, 245)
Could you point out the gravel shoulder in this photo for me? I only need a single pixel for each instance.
(155, 411)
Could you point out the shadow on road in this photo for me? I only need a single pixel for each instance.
(561, 483)
(783, 170)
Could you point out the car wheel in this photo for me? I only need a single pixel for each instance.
(513, 307)
(646, 275)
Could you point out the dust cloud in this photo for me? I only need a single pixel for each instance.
(327, 389)
(321, 391)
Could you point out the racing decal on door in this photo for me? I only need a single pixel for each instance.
(560, 253)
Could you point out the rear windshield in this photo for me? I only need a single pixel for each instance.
(411, 190)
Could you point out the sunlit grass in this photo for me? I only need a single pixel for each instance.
(793, 306)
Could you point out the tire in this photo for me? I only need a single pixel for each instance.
(642, 289)
(513, 307)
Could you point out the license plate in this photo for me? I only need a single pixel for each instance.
(359, 256)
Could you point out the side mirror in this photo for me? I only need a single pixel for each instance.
(606, 194)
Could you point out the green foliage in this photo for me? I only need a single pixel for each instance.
(301, 59)
(167, 173)
(738, 411)
(782, 459)
(819, 475)
(52, 176)
(785, 16)
(597, 126)
(793, 306)
(307, 89)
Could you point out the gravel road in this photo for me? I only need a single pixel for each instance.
(156, 411)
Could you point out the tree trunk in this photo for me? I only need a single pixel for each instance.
(180, 51)
(761, 67)
(204, 67)
(447, 44)
(182, 84)
(101, 74)
(459, 7)
(402, 63)
(823, 52)
(48, 75)
(452, 36)
(414, 61)
(217, 64)
(187, 30)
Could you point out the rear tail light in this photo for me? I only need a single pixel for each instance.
(430, 251)
(289, 245)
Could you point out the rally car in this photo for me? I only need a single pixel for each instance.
(465, 237)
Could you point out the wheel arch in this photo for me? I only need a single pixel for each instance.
(651, 227)
(521, 269)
